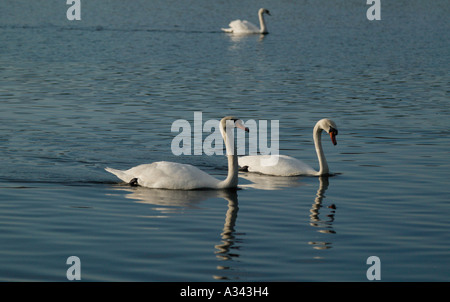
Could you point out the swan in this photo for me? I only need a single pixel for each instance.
(245, 27)
(176, 176)
(283, 165)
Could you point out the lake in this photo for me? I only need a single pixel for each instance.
(79, 96)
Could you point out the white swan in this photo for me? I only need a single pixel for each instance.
(245, 27)
(176, 176)
(289, 166)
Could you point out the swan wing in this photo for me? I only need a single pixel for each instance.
(168, 175)
(243, 27)
(279, 165)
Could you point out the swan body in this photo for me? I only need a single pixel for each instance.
(283, 165)
(167, 175)
(245, 27)
(176, 176)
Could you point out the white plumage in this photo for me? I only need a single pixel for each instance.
(245, 27)
(279, 165)
(176, 176)
(283, 165)
(167, 175)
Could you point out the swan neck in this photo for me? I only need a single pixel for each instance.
(232, 178)
(233, 168)
(262, 23)
(317, 135)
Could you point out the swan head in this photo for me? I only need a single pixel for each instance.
(263, 11)
(229, 123)
(233, 122)
(330, 127)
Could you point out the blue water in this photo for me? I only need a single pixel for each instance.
(77, 96)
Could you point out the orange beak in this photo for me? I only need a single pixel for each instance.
(333, 137)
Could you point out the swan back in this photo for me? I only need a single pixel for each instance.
(170, 175)
(242, 27)
(283, 165)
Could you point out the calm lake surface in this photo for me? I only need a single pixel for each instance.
(78, 96)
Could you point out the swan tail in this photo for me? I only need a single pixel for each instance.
(120, 174)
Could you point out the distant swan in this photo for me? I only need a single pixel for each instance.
(289, 166)
(170, 175)
(245, 27)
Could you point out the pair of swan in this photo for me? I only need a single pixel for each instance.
(176, 176)
(245, 27)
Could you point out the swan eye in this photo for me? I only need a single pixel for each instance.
(332, 130)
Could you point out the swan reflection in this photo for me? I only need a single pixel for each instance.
(324, 225)
(228, 249)
(170, 201)
(237, 38)
(269, 182)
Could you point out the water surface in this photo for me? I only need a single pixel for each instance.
(77, 96)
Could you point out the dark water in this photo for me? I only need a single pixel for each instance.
(77, 96)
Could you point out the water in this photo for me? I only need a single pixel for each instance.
(77, 96)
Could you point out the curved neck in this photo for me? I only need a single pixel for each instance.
(262, 24)
(317, 135)
(233, 168)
